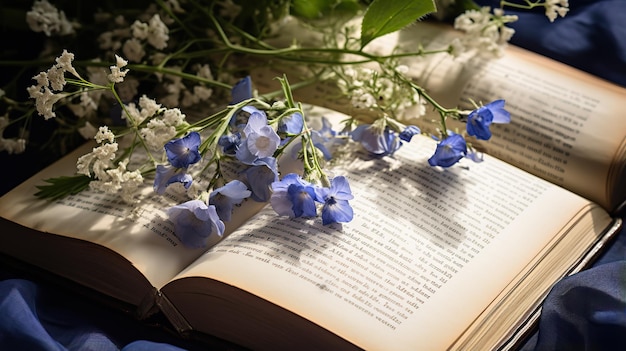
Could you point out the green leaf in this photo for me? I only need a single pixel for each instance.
(387, 16)
(62, 186)
(310, 9)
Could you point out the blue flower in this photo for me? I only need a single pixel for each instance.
(291, 125)
(449, 151)
(323, 139)
(478, 121)
(183, 152)
(194, 222)
(408, 133)
(260, 178)
(294, 197)
(336, 207)
(379, 142)
(224, 198)
(261, 140)
(230, 143)
(242, 90)
(169, 175)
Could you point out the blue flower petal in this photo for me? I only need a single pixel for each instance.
(169, 175)
(449, 151)
(408, 133)
(194, 222)
(183, 152)
(335, 211)
(224, 198)
(242, 90)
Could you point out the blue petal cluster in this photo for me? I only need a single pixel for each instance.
(294, 197)
(224, 198)
(478, 121)
(181, 153)
(449, 151)
(194, 222)
(378, 141)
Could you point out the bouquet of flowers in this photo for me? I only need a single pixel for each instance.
(164, 89)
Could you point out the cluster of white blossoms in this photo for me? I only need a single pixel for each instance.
(369, 90)
(51, 81)
(98, 164)
(117, 73)
(10, 145)
(555, 8)
(155, 32)
(162, 124)
(486, 33)
(44, 17)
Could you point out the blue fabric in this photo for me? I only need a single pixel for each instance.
(586, 311)
(38, 317)
(591, 37)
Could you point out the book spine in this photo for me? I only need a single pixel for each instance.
(178, 321)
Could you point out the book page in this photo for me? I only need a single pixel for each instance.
(401, 269)
(141, 232)
(566, 125)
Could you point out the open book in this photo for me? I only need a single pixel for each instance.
(434, 259)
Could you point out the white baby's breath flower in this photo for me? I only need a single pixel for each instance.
(131, 183)
(117, 74)
(155, 32)
(97, 161)
(88, 131)
(44, 100)
(456, 47)
(133, 50)
(64, 62)
(362, 100)
(105, 151)
(485, 33)
(44, 17)
(173, 117)
(117, 180)
(160, 130)
(157, 134)
(149, 106)
(83, 164)
(555, 8)
(104, 134)
(12, 145)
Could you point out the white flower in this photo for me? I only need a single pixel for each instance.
(555, 8)
(104, 134)
(44, 100)
(160, 130)
(88, 131)
(133, 50)
(44, 17)
(12, 145)
(97, 161)
(485, 33)
(155, 32)
(64, 62)
(173, 117)
(362, 100)
(456, 47)
(117, 74)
